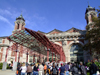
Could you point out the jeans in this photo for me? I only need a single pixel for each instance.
(94, 74)
(35, 73)
(22, 73)
(29, 73)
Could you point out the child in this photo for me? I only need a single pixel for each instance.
(67, 72)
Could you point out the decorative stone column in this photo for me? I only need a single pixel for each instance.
(27, 57)
(5, 63)
(15, 63)
(55, 57)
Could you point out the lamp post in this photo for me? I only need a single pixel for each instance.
(34, 57)
(16, 55)
(27, 57)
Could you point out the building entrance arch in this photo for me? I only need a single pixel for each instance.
(71, 47)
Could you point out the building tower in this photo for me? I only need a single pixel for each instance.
(90, 12)
(19, 23)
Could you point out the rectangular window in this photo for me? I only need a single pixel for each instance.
(0, 56)
(0, 49)
(0, 40)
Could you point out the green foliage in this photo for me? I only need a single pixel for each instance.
(1, 64)
(98, 64)
(8, 66)
(93, 35)
(89, 64)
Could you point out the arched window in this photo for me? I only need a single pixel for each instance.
(18, 26)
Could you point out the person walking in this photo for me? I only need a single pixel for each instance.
(54, 70)
(93, 69)
(74, 70)
(18, 68)
(41, 69)
(23, 69)
(36, 68)
(18, 72)
(57, 69)
(67, 73)
(66, 67)
(29, 70)
(45, 69)
(62, 69)
(82, 69)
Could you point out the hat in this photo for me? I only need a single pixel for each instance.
(61, 64)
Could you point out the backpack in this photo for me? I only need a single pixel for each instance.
(45, 67)
(54, 71)
(75, 70)
(83, 70)
(48, 70)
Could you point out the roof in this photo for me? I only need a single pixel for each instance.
(89, 9)
(55, 30)
(73, 29)
(41, 32)
(33, 40)
(20, 17)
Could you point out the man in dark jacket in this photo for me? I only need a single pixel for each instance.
(82, 68)
(74, 70)
(93, 69)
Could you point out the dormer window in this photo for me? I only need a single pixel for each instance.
(0, 40)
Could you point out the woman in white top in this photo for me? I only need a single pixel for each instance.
(23, 69)
(41, 69)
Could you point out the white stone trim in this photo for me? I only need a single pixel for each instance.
(69, 45)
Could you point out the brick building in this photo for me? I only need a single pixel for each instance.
(71, 40)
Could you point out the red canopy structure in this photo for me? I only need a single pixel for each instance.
(35, 42)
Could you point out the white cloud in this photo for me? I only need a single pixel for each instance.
(6, 20)
(3, 12)
(8, 12)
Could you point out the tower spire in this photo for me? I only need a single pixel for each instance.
(21, 12)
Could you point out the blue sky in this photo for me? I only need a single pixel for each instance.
(44, 15)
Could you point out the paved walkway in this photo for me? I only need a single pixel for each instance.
(7, 72)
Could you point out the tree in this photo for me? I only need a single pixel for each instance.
(93, 35)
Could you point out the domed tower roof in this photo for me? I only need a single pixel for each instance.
(89, 9)
(20, 18)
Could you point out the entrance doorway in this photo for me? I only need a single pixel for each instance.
(76, 53)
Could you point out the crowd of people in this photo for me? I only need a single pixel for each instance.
(55, 69)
